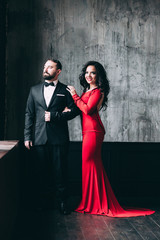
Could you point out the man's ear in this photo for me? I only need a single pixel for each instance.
(59, 71)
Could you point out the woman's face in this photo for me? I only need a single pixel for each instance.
(90, 75)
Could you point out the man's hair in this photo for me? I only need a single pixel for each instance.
(59, 65)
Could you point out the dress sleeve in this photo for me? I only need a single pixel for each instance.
(91, 105)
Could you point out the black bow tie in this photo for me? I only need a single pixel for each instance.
(48, 84)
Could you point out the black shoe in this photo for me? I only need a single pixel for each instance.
(63, 209)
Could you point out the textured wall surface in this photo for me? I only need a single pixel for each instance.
(123, 35)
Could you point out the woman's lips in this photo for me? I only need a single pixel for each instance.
(89, 79)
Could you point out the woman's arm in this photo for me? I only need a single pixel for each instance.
(91, 105)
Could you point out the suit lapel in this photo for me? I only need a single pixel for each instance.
(58, 87)
(42, 96)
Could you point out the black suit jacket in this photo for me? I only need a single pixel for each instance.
(55, 131)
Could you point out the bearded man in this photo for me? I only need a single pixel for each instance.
(46, 132)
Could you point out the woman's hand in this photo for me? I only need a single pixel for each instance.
(71, 89)
(66, 109)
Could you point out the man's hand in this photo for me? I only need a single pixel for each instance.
(47, 116)
(28, 144)
(66, 109)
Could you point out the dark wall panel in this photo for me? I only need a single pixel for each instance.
(132, 168)
(3, 7)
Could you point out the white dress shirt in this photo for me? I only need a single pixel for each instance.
(48, 92)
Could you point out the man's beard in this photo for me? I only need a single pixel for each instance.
(48, 76)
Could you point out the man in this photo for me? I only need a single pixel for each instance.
(46, 130)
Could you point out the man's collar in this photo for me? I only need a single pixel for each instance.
(55, 82)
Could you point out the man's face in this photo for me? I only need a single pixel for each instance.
(50, 70)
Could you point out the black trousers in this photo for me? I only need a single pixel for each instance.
(49, 171)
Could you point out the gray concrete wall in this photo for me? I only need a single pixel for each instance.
(123, 35)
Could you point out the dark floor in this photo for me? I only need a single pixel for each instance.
(49, 224)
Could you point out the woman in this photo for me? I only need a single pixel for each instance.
(97, 194)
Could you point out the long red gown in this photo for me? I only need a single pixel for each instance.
(97, 194)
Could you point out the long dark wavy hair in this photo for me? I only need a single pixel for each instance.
(102, 81)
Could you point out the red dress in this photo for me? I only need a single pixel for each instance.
(97, 194)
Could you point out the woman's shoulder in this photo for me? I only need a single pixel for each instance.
(93, 91)
(96, 90)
